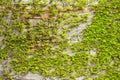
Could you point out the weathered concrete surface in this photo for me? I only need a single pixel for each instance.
(75, 31)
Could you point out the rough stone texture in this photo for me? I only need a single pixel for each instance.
(93, 52)
(80, 78)
(31, 76)
(26, 1)
(1, 70)
(75, 31)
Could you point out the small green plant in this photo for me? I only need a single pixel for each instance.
(33, 48)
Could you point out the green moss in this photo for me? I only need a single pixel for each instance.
(31, 50)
